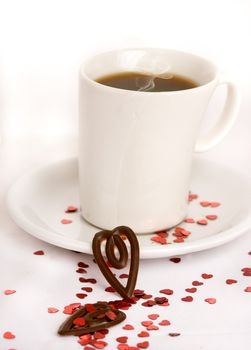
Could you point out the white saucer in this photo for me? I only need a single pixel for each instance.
(37, 202)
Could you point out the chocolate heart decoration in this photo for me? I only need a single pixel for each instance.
(93, 317)
(113, 240)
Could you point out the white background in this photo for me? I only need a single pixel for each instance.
(42, 44)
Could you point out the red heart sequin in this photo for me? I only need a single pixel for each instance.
(153, 316)
(202, 222)
(84, 339)
(191, 290)
(9, 291)
(174, 334)
(164, 323)
(192, 196)
(159, 239)
(124, 275)
(71, 209)
(66, 221)
(166, 291)
(87, 289)
(8, 335)
(187, 299)
(128, 327)
(152, 327)
(175, 260)
(81, 295)
(230, 281)
(143, 345)
(206, 276)
(39, 252)
(99, 344)
(79, 321)
(143, 334)
(197, 283)
(189, 221)
(205, 204)
(146, 323)
(123, 347)
(122, 339)
(52, 310)
(211, 217)
(82, 264)
(248, 290)
(215, 204)
(210, 300)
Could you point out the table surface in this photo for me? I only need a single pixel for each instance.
(51, 280)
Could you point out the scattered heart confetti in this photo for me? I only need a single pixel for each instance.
(87, 280)
(175, 260)
(128, 327)
(205, 204)
(81, 270)
(174, 334)
(206, 276)
(82, 264)
(210, 300)
(146, 323)
(66, 221)
(9, 291)
(39, 252)
(9, 335)
(52, 310)
(187, 299)
(211, 217)
(189, 220)
(122, 339)
(164, 323)
(248, 290)
(143, 345)
(197, 283)
(192, 196)
(166, 291)
(123, 347)
(124, 275)
(230, 281)
(87, 289)
(143, 334)
(81, 295)
(71, 209)
(215, 204)
(246, 271)
(153, 316)
(152, 327)
(191, 290)
(80, 321)
(202, 222)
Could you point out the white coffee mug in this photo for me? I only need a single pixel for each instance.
(136, 147)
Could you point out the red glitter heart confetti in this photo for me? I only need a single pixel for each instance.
(110, 289)
(99, 335)
(69, 309)
(84, 339)
(8, 335)
(128, 327)
(202, 222)
(159, 239)
(149, 303)
(210, 300)
(66, 221)
(153, 316)
(152, 327)
(81, 295)
(122, 339)
(175, 260)
(247, 289)
(206, 276)
(197, 283)
(181, 231)
(166, 291)
(211, 217)
(87, 280)
(99, 344)
(82, 264)
(179, 240)
(87, 289)
(124, 275)
(111, 315)
(143, 345)
(230, 281)
(174, 334)
(71, 209)
(249, 253)
(52, 310)
(215, 204)
(39, 252)
(164, 323)
(81, 270)
(205, 204)
(246, 271)
(9, 291)
(192, 196)
(146, 323)
(189, 220)
(143, 334)
(123, 347)
(79, 321)
(191, 290)
(187, 298)
(88, 348)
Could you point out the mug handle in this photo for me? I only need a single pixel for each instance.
(227, 118)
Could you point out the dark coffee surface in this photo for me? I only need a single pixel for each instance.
(143, 82)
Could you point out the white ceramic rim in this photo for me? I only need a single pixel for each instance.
(156, 251)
